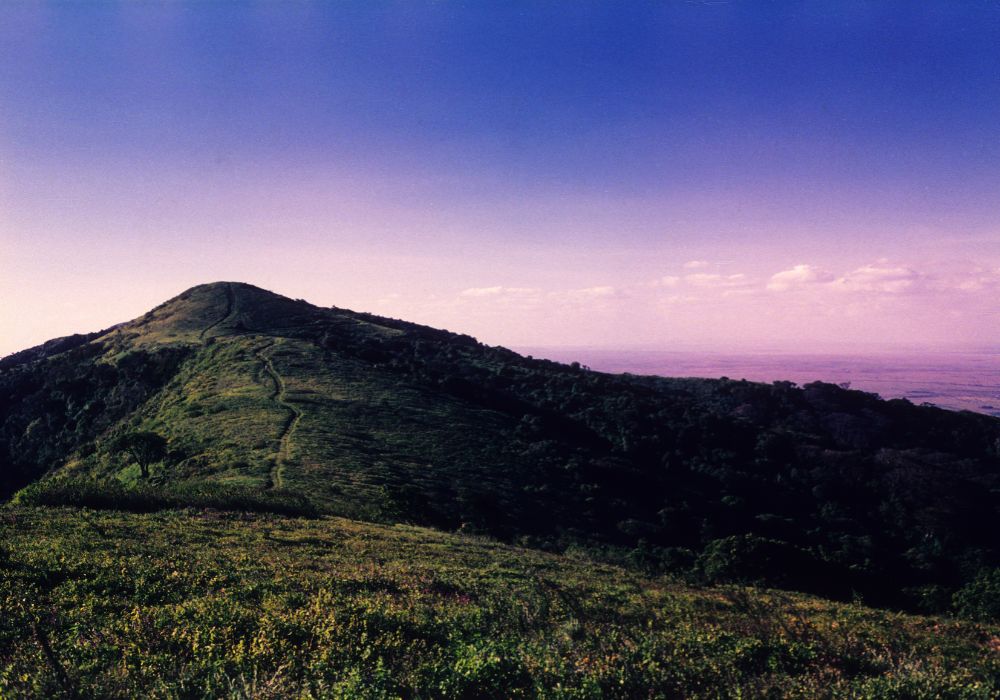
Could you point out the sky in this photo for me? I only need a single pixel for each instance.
(803, 176)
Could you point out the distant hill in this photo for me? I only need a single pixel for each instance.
(815, 488)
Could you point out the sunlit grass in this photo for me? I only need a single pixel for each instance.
(215, 605)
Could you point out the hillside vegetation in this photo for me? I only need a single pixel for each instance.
(192, 604)
(815, 489)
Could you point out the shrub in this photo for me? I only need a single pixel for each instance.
(145, 498)
(748, 559)
(980, 598)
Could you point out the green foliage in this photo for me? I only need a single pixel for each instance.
(844, 494)
(55, 406)
(146, 498)
(748, 559)
(142, 447)
(980, 598)
(210, 604)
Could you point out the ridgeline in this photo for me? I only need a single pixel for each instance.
(815, 488)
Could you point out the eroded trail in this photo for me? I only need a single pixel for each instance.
(230, 309)
(294, 415)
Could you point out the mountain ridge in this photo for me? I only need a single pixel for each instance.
(381, 419)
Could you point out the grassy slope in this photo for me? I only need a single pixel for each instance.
(252, 406)
(196, 604)
(378, 419)
(353, 429)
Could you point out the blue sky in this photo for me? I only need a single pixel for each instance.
(651, 171)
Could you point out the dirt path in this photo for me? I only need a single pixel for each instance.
(294, 416)
(230, 308)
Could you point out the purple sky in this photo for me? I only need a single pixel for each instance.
(808, 176)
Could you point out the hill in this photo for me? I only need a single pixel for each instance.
(206, 604)
(812, 488)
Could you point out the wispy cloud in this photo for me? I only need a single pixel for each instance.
(881, 278)
(600, 292)
(977, 279)
(805, 304)
(706, 279)
(500, 291)
(798, 277)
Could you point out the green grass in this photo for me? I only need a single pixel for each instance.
(260, 397)
(190, 605)
(146, 498)
(361, 430)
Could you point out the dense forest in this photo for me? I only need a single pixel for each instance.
(815, 488)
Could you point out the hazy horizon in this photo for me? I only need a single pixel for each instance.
(956, 380)
(721, 175)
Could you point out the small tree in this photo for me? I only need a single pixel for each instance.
(144, 448)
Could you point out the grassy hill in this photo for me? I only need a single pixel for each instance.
(191, 604)
(815, 489)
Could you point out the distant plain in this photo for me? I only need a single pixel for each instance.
(958, 381)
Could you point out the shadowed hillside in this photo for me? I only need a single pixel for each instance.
(814, 488)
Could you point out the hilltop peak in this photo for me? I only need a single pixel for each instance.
(218, 309)
(222, 292)
(224, 285)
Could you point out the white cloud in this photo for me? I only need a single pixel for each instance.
(797, 277)
(598, 297)
(880, 278)
(806, 303)
(696, 264)
(592, 292)
(680, 299)
(703, 279)
(498, 291)
(974, 279)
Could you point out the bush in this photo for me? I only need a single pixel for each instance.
(748, 559)
(145, 498)
(980, 598)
